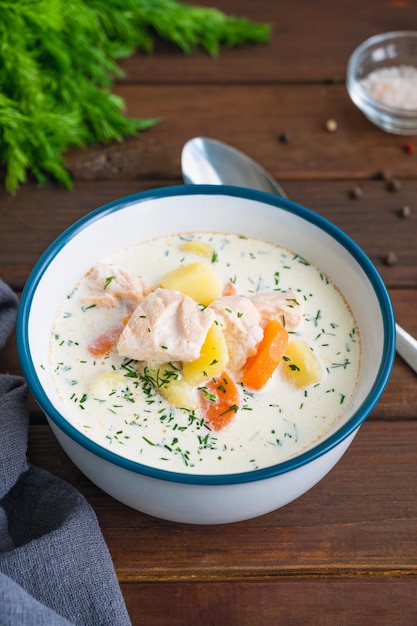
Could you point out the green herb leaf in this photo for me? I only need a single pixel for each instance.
(58, 61)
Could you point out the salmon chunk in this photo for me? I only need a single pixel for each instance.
(109, 285)
(165, 326)
(285, 307)
(241, 322)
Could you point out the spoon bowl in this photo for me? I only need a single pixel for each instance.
(209, 161)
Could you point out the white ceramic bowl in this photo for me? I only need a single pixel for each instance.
(193, 498)
(387, 50)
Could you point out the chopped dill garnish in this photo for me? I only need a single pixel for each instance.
(108, 280)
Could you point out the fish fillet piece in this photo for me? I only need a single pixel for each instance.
(165, 326)
(241, 324)
(109, 285)
(283, 306)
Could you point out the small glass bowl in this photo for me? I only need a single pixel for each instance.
(386, 50)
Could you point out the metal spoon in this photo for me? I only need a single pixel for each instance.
(406, 347)
(209, 161)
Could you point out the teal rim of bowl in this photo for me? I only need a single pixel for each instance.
(293, 463)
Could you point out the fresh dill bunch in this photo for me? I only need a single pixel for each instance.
(58, 62)
(188, 27)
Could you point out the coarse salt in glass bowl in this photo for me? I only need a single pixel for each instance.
(382, 81)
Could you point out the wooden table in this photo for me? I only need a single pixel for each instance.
(345, 552)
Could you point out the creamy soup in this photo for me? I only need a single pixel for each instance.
(113, 400)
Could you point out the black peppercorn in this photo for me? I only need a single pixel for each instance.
(283, 138)
(355, 193)
(382, 175)
(394, 185)
(405, 211)
(391, 258)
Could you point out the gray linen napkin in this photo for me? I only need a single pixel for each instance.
(55, 567)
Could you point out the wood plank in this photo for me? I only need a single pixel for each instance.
(373, 220)
(361, 519)
(300, 602)
(357, 150)
(304, 45)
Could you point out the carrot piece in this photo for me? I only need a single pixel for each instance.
(259, 368)
(229, 289)
(104, 343)
(218, 401)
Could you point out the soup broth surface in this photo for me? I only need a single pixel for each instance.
(269, 426)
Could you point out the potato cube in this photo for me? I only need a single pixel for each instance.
(300, 366)
(197, 280)
(198, 247)
(213, 358)
(167, 379)
(179, 393)
(105, 384)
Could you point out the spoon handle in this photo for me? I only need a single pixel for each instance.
(406, 347)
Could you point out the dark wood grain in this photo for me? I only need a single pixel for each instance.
(357, 150)
(299, 602)
(311, 42)
(379, 468)
(346, 551)
(36, 216)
